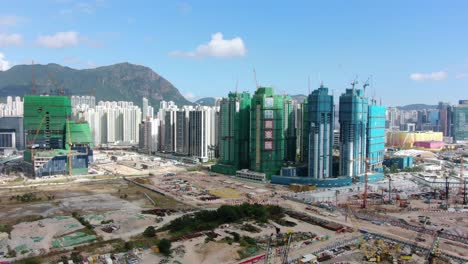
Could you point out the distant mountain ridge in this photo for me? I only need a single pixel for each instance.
(417, 107)
(207, 101)
(118, 82)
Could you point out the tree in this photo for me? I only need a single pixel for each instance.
(149, 232)
(165, 246)
(128, 246)
(228, 214)
(76, 257)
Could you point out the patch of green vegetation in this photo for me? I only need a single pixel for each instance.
(103, 222)
(34, 260)
(82, 220)
(209, 220)
(150, 231)
(250, 228)
(6, 229)
(285, 222)
(249, 247)
(164, 246)
(26, 198)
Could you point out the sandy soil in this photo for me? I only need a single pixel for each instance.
(37, 236)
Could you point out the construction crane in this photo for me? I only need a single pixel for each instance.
(366, 180)
(286, 247)
(34, 89)
(255, 78)
(60, 89)
(462, 185)
(434, 251)
(283, 244)
(70, 143)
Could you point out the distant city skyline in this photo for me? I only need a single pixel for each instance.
(411, 52)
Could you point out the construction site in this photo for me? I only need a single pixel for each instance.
(55, 143)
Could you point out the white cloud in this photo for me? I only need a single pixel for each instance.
(189, 96)
(434, 76)
(4, 64)
(10, 40)
(184, 8)
(10, 20)
(461, 75)
(59, 40)
(217, 47)
(87, 7)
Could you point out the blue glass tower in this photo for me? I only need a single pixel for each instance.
(376, 136)
(320, 124)
(353, 115)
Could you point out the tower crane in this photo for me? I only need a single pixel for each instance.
(366, 180)
(34, 89)
(462, 185)
(69, 154)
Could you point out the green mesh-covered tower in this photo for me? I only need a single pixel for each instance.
(266, 132)
(289, 127)
(45, 118)
(55, 143)
(234, 133)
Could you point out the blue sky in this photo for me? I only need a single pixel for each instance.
(415, 51)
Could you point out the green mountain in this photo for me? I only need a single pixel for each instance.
(207, 101)
(119, 82)
(416, 107)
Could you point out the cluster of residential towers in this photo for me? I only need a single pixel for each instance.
(266, 136)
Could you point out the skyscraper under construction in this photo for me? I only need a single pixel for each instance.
(320, 140)
(234, 133)
(376, 136)
(55, 144)
(267, 132)
(353, 114)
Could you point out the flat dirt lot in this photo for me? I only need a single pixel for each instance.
(44, 223)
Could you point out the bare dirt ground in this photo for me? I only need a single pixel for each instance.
(36, 223)
(36, 237)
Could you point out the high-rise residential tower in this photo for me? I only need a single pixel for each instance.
(445, 118)
(376, 136)
(320, 140)
(234, 129)
(353, 112)
(266, 132)
(460, 122)
(289, 127)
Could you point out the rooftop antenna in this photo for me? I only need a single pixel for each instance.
(255, 78)
(34, 90)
